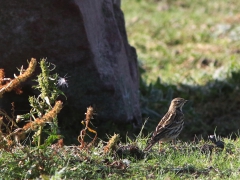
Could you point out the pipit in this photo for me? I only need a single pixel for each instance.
(170, 125)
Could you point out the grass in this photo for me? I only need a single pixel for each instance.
(173, 38)
(188, 161)
(188, 49)
(185, 48)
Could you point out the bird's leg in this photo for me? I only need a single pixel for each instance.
(160, 150)
(174, 142)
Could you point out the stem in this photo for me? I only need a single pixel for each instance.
(39, 135)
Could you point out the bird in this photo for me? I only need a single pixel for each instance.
(170, 126)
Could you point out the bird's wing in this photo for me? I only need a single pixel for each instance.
(167, 119)
(165, 123)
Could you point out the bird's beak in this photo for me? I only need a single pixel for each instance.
(186, 101)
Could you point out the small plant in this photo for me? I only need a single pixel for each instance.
(86, 122)
(112, 143)
(8, 84)
(45, 106)
(7, 123)
(43, 112)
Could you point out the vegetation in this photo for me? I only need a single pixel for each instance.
(198, 159)
(186, 48)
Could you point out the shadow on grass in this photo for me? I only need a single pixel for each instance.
(212, 107)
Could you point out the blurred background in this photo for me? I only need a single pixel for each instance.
(188, 49)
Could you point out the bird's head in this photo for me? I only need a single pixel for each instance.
(177, 103)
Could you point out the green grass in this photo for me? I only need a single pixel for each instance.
(188, 161)
(188, 49)
(185, 48)
(173, 37)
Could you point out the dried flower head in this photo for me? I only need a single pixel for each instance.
(62, 81)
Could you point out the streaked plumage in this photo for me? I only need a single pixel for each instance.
(170, 125)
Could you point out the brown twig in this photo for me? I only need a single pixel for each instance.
(14, 83)
(4, 114)
(89, 116)
(48, 117)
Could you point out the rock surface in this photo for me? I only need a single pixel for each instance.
(87, 41)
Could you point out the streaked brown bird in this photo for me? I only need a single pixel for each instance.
(170, 125)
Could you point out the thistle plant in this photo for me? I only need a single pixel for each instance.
(43, 111)
(8, 84)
